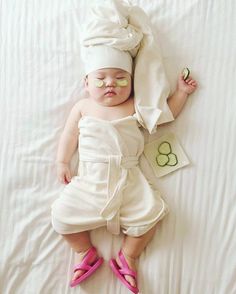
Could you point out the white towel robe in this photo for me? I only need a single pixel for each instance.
(110, 189)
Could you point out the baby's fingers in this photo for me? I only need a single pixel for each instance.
(194, 83)
(62, 179)
(191, 81)
(67, 177)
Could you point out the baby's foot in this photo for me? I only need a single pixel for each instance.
(132, 266)
(78, 259)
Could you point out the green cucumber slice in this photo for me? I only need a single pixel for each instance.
(185, 73)
(172, 159)
(162, 159)
(164, 148)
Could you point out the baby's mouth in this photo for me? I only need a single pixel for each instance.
(110, 93)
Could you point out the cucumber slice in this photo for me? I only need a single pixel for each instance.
(185, 73)
(98, 83)
(164, 148)
(162, 159)
(172, 159)
(122, 83)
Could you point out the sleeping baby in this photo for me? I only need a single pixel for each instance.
(110, 189)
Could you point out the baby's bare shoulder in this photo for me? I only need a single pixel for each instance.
(81, 103)
(80, 106)
(77, 110)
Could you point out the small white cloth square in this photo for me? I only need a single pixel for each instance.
(165, 155)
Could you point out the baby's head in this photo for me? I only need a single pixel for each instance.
(109, 86)
(108, 74)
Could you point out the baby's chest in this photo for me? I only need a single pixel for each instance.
(110, 113)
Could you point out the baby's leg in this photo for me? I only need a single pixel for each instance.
(80, 243)
(134, 246)
(132, 249)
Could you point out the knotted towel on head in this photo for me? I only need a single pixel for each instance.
(117, 33)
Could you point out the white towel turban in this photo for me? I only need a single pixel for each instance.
(117, 33)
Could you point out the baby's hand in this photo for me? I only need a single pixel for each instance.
(187, 86)
(63, 173)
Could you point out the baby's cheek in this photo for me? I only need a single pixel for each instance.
(95, 92)
(125, 91)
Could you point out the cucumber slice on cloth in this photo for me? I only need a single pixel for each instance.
(165, 156)
(164, 148)
(172, 159)
(185, 73)
(162, 159)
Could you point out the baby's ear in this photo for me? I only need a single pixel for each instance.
(86, 82)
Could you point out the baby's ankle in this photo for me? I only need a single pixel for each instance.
(81, 254)
(132, 258)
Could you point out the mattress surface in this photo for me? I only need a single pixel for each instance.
(193, 251)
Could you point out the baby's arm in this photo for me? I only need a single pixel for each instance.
(177, 100)
(68, 144)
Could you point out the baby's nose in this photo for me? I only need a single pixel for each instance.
(110, 82)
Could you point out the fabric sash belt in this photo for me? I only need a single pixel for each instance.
(118, 166)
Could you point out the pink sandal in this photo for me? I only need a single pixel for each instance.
(88, 268)
(120, 272)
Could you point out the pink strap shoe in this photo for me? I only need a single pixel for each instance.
(120, 272)
(87, 267)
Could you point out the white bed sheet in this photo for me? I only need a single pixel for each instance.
(193, 251)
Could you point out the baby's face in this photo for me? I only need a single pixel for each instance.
(109, 86)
